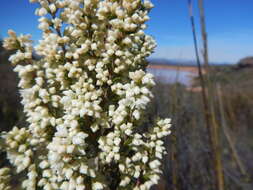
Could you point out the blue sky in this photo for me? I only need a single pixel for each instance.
(229, 27)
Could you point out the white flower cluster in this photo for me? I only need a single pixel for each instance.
(84, 98)
(18, 149)
(22, 44)
(5, 178)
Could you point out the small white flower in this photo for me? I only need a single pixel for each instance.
(44, 164)
(84, 169)
(97, 186)
(117, 141)
(136, 114)
(69, 173)
(52, 8)
(121, 167)
(144, 159)
(154, 164)
(42, 11)
(125, 182)
(43, 26)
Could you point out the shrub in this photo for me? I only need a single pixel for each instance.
(84, 99)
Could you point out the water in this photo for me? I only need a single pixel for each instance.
(169, 76)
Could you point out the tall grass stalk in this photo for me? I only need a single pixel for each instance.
(227, 134)
(210, 120)
(203, 32)
(211, 95)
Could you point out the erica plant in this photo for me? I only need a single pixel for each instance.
(84, 96)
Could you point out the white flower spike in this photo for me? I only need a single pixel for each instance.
(84, 93)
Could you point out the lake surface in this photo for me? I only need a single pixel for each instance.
(169, 76)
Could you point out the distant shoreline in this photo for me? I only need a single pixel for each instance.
(192, 69)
